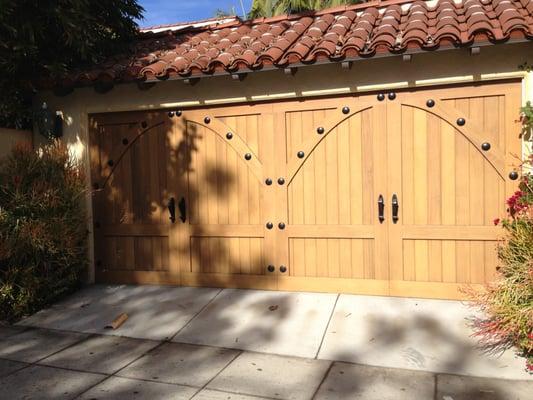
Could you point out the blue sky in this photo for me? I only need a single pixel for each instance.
(169, 11)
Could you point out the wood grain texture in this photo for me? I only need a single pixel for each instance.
(449, 192)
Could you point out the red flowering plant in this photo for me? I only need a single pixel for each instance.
(507, 303)
(43, 236)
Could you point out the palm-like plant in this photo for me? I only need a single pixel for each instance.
(270, 8)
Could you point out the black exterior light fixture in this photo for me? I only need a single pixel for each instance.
(49, 123)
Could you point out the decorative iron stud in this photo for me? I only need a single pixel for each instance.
(281, 181)
(320, 130)
(229, 135)
(461, 121)
(170, 114)
(248, 156)
(269, 225)
(392, 96)
(513, 175)
(430, 103)
(125, 141)
(98, 263)
(207, 120)
(300, 154)
(345, 110)
(96, 186)
(110, 163)
(268, 181)
(281, 225)
(485, 146)
(282, 268)
(271, 268)
(144, 124)
(178, 113)
(381, 97)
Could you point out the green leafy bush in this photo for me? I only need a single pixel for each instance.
(43, 236)
(507, 303)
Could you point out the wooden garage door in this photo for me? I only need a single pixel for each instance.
(422, 150)
(299, 195)
(449, 185)
(133, 176)
(222, 237)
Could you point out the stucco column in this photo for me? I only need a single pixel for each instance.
(527, 96)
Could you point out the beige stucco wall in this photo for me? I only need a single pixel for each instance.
(10, 137)
(494, 62)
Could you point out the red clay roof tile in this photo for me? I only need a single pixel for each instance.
(347, 31)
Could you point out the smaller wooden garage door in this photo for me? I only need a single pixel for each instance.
(131, 175)
(299, 195)
(223, 234)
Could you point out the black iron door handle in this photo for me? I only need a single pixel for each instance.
(395, 207)
(172, 209)
(183, 209)
(381, 209)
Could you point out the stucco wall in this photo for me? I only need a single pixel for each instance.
(450, 66)
(10, 137)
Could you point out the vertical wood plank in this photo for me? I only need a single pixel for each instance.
(356, 170)
(462, 205)
(345, 257)
(333, 258)
(343, 172)
(253, 184)
(243, 179)
(358, 259)
(420, 191)
(332, 178)
(234, 195)
(310, 257)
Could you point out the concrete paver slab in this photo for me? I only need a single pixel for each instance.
(104, 354)
(126, 389)
(427, 335)
(45, 383)
(270, 322)
(155, 312)
(349, 381)
(181, 364)
(208, 394)
(470, 388)
(8, 366)
(35, 344)
(272, 376)
(10, 330)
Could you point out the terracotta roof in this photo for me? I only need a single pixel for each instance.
(330, 35)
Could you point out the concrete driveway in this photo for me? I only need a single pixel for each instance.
(217, 344)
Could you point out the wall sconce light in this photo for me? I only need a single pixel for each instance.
(49, 123)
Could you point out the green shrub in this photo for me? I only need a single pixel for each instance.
(43, 236)
(507, 303)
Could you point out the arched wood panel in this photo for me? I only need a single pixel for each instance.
(223, 236)
(132, 231)
(334, 235)
(450, 190)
